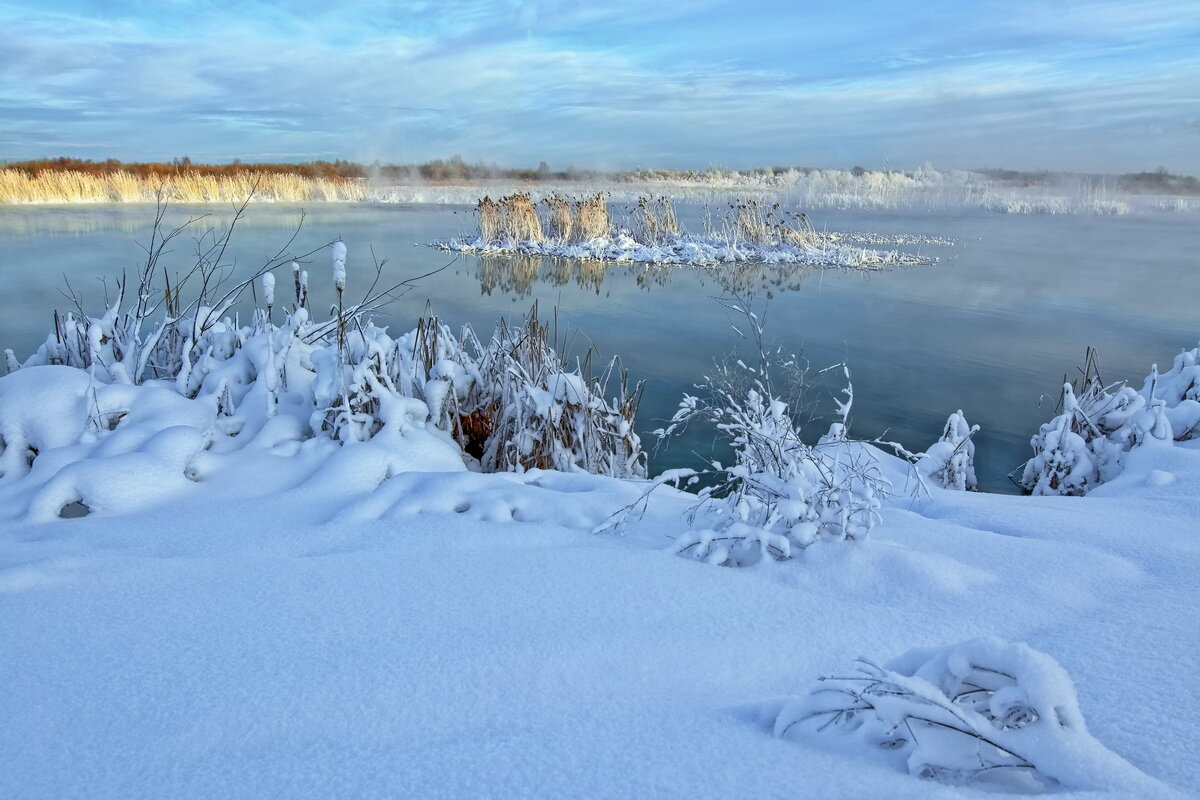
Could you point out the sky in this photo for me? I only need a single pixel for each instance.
(1023, 84)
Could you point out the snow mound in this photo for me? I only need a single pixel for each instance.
(574, 501)
(985, 713)
(1087, 444)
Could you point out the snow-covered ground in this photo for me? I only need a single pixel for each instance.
(307, 619)
(826, 250)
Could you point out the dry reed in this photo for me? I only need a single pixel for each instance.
(591, 218)
(489, 219)
(754, 223)
(561, 224)
(62, 186)
(653, 220)
(519, 220)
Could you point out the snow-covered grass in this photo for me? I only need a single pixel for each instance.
(748, 233)
(59, 186)
(922, 189)
(288, 621)
(260, 560)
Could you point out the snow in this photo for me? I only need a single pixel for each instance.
(338, 252)
(832, 250)
(246, 611)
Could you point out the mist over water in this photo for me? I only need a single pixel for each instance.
(992, 328)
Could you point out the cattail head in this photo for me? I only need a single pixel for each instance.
(339, 266)
(268, 284)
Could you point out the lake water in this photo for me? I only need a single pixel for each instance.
(992, 328)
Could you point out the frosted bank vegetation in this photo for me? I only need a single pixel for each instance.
(921, 189)
(300, 483)
(746, 232)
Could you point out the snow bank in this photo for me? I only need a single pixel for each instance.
(1086, 445)
(983, 713)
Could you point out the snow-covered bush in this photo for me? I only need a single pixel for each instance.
(545, 416)
(950, 462)
(510, 404)
(1085, 445)
(986, 713)
(781, 493)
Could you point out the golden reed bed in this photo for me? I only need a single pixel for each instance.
(61, 186)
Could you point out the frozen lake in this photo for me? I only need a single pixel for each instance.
(991, 329)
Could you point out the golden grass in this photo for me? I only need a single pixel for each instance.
(756, 223)
(489, 219)
(560, 224)
(514, 218)
(61, 186)
(519, 220)
(591, 218)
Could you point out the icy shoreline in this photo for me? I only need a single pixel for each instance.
(830, 250)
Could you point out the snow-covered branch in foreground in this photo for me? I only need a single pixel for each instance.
(748, 233)
(1085, 445)
(985, 713)
(781, 495)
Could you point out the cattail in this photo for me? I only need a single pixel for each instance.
(268, 284)
(561, 224)
(489, 219)
(591, 218)
(519, 219)
(296, 281)
(304, 288)
(339, 267)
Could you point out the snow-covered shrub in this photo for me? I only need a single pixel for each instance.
(510, 404)
(546, 416)
(950, 462)
(1085, 445)
(986, 713)
(1179, 392)
(781, 493)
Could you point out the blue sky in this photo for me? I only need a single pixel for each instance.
(1091, 86)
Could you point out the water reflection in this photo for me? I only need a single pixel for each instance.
(518, 274)
(989, 330)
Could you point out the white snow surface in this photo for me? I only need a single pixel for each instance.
(284, 618)
(832, 250)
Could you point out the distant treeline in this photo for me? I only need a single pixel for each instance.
(1157, 182)
(329, 170)
(456, 170)
(452, 170)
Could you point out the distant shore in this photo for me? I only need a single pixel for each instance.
(924, 189)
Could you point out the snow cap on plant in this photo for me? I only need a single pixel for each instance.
(268, 285)
(339, 266)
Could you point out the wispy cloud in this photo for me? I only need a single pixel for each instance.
(1101, 85)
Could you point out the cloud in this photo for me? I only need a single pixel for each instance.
(616, 84)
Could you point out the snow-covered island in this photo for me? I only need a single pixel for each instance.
(305, 557)
(749, 232)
